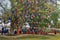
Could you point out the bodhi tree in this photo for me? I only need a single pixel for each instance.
(37, 11)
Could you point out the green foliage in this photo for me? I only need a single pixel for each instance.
(42, 8)
(54, 17)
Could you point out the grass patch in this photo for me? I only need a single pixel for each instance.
(2, 38)
(34, 37)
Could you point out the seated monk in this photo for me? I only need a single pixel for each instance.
(18, 31)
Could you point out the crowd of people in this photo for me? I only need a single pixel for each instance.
(26, 29)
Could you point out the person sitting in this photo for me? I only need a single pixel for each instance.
(36, 30)
(15, 31)
(4, 30)
(18, 31)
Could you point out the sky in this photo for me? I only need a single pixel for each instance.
(6, 4)
(58, 1)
